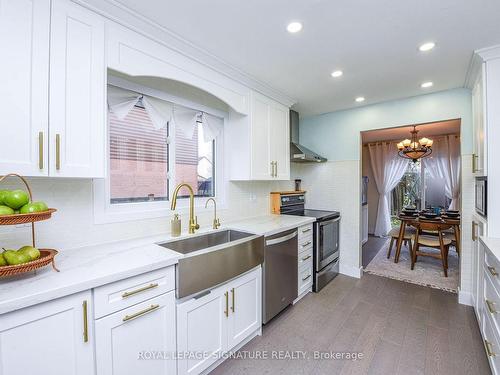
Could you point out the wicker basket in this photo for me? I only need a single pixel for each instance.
(46, 258)
(26, 218)
(46, 255)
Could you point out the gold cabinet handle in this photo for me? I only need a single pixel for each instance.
(151, 308)
(306, 258)
(232, 300)
(305, 278)
(493, 271)
(85, 322)
(58, 151)
(143, 289)
(474, 237)
(226, 311)
(306, 244)
(491, 307)
(474, 163)
(40, 150)
(488, 345)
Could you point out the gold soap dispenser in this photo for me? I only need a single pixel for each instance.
(175, 226)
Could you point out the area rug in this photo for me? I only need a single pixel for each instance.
(428, 271)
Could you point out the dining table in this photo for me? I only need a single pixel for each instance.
(410, 219)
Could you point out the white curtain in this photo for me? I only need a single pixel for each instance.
(161, 112)
(444, 163)
(121, 102)
(388, 169)
(186, 120)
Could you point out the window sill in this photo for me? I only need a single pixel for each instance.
(126, 212)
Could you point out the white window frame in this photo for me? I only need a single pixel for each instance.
(105, 212)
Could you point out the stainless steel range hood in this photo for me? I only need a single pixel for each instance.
(299, 153)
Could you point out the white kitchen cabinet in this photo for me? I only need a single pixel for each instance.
(479, 164)
(126, 340)
(218, 321)
(54, 337)
(280, 140)
(24, 67)
(259, 144)
(77, 109)
(478, 229)
(201, 328)
(245, 308)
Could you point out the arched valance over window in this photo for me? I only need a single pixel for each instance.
(161, 113)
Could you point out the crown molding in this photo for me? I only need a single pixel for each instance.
(119, 13)
(473, 71)
(479, 57)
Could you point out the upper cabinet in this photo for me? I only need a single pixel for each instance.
(486, 117)
(77, 110)
(479, 164)
(53, 121)
(259, 144)
(24, 69)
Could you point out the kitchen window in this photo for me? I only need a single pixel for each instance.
(139, 160)
(148, 156)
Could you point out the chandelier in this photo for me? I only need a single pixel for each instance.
(413, 149)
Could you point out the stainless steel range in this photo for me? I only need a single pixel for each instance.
(326, 236)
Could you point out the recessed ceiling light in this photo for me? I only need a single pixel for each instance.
(426, 85)
(426, 46)
(294, 27)
(360, 99)
(337, 73)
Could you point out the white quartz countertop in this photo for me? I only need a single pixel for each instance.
(270, 224)
(493, 245)
(91, 266)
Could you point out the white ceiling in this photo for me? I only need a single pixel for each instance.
(424, 130)
(373, 42)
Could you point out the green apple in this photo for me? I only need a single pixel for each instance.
(4, 210)
(29, 208)
(2, 194)
(42, 206)
(3, 262)
(16, 199)
(31, 251)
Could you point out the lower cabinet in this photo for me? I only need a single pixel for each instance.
(139, 339)
(217, 322)
(54, 337)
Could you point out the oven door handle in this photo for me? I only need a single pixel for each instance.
(278, 240)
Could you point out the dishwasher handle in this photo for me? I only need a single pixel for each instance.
(278, 240)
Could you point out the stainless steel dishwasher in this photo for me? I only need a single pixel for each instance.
(280, 273)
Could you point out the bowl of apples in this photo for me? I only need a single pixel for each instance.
(25, 259)
(17, 206)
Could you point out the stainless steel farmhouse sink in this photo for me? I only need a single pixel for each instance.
(213, 258)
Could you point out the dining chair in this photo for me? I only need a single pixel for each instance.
(440, 241)
(407, 238)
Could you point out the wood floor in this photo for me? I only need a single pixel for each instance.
(371, 248)
(400, 328)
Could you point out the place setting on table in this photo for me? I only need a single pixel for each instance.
(442, 228)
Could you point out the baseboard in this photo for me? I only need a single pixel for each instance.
(256, 333)
(465, 298)
(351, 271)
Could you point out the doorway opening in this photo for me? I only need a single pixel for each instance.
(429, 186)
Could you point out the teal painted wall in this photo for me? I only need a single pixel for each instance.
(336, 135)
